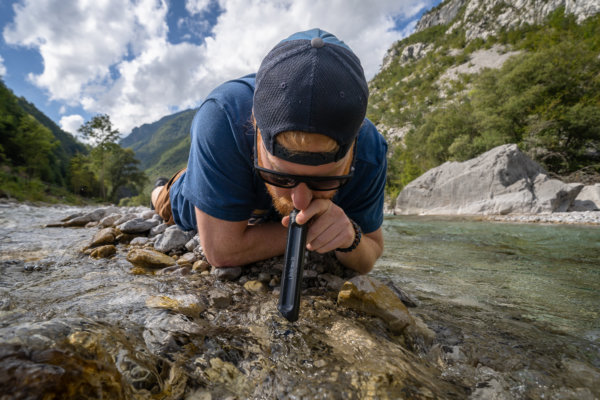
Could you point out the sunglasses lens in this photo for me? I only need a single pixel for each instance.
(276, 180)
(331, 184)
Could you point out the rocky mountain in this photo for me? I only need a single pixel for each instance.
(477, 74)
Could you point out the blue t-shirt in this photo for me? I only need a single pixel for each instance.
(220, 179)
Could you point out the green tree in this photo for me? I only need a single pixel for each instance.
(123, 171)
(101, 135)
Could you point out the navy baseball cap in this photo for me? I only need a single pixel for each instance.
(310, 82)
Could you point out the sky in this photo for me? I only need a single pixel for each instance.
(140, 60)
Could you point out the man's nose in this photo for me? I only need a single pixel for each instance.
(301, 196)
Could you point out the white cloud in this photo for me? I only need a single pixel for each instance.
(196, 6)
(70, 123)
(114, 57)
(2, 67)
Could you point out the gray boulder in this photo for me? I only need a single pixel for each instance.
(588, 199)
(500, 181)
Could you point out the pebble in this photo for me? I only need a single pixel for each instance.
(227, 273)
(137, 225)
(255, 287)
(201, 266)
(147, 258)
(103, 251)
(173, 238)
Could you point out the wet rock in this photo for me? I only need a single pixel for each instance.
(103, 251)
(137, 225)
(147, 258)
(91, 224)
(255, 287)
(95, 215)
(125, 238)
(200, 266)
(331, 281)
(173, 238)
(227, 273)
(189, 305)
(104, 236)
(139, 241)
(366, 294)
(407, 299)
(187, 258)
(220, 298)
(264, 277)
(225, 373)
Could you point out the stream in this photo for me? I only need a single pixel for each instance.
(515, 309)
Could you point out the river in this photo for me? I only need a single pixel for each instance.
(515, 308)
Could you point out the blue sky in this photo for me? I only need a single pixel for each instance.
(139, 60)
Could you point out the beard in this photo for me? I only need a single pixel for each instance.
(283, 205)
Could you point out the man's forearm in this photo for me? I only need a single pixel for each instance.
(362, 259)
(235, 243)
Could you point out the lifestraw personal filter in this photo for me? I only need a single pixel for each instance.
(291, 278)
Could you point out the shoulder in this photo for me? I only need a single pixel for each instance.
(237, 92)
(371, 145)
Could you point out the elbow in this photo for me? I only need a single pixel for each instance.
(219, 259)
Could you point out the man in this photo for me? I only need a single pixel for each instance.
(292, 136)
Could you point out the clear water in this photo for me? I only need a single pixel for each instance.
(515, 309)
(513, 297)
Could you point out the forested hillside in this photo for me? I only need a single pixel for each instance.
(454, 90)
(34, 151)
(163, 146)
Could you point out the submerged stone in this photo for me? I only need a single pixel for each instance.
(147, 258)
(366, 294)
(103, 251)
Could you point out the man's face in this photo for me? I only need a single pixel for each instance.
(300, 196)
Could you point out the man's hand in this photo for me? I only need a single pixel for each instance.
(330, 229)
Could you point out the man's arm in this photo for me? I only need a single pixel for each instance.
(330, 229)
(227, 243)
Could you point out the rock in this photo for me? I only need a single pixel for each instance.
(103, 251)
(192, 243)
(200, 266)
(368, 295)
(148, 214)
(104, 236)
(331, 281)
(264, 277)
(137, 225)
(109, 220)
(187, 258)
(173, 238)
(220, 298)
(500, 181)
(147, 258)
(84, 219)
(124, 218)
(226, 273)
(139, 241)
(255, 287)
(588, 199)
(158, 229)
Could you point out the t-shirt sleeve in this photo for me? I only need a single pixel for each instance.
(219, 177)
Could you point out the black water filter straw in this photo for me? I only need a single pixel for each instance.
(291, 278)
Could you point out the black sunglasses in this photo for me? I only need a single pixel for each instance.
(288, 181)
